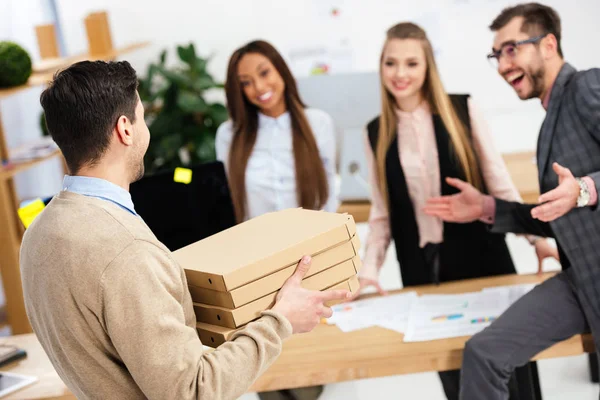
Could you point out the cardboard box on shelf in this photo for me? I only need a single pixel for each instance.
(234, 318)
(214, 335)
(271, 283)
(262, 246)
(98, 33)
(47, 43)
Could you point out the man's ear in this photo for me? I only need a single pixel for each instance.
(550, 45)
(124, 130)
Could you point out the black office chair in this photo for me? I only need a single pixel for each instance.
(180, 214)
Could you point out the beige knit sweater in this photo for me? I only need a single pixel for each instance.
(112, 310)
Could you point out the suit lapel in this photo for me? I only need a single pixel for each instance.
(548, 127)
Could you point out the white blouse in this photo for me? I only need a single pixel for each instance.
(271, 172)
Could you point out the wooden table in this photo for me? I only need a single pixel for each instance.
(49, 386)
(326, 355)
(521, 167)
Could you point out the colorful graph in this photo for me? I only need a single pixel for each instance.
(448, 317)
(482, 320)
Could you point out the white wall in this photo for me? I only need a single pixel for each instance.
(20, 113)
(457, 28)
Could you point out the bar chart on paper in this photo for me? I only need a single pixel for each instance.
(442, 316)
(428, 317)
(434, 317)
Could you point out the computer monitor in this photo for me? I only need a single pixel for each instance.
(352, 100)
(180, 214)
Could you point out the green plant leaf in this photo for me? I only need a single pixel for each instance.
(203, 83)
(200, 65)
(175, 77)
(170, 145)
(192, 49)
(218, 113)
(187, 55)
(206, 152)
(166, 123)
(146, 86)
(152, 97)
(191, 102)
(203, 146)
(169, 100)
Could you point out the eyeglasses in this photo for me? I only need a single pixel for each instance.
(509, 50)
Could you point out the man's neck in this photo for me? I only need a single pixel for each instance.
(552, 72)
(108, 174)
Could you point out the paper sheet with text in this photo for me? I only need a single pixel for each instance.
(389, 312)
(435, 317)
(428, 317)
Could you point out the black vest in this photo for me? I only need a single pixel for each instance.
(468, 250)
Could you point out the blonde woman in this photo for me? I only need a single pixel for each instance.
(422, 136)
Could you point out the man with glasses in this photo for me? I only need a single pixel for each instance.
(529, 57)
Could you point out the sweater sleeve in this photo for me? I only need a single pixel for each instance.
(143, 295)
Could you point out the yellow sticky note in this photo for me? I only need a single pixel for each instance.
(28, 213)
(183, 175)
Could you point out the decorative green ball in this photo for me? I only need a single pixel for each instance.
(15, 65)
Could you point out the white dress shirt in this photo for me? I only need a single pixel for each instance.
(271, 172)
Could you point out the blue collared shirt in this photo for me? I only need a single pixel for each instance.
(99, 188)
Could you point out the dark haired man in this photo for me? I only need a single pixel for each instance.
(528, 54)
(107, 301)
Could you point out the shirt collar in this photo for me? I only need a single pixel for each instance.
(99, 188)
(282, 121)
(546, 99)
(421, 112)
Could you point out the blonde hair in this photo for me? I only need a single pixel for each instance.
(439, 102)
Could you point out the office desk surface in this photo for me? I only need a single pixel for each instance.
(49, 384)
(323, 356)
(328, 355)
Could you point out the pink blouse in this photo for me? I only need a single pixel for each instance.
(419, 158)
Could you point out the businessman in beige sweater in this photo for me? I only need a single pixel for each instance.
(105, 298)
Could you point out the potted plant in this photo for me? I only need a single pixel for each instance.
(182, 123)
(15, 65)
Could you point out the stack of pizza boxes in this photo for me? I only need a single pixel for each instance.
(236, 274)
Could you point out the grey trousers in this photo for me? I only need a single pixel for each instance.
(549, 314)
